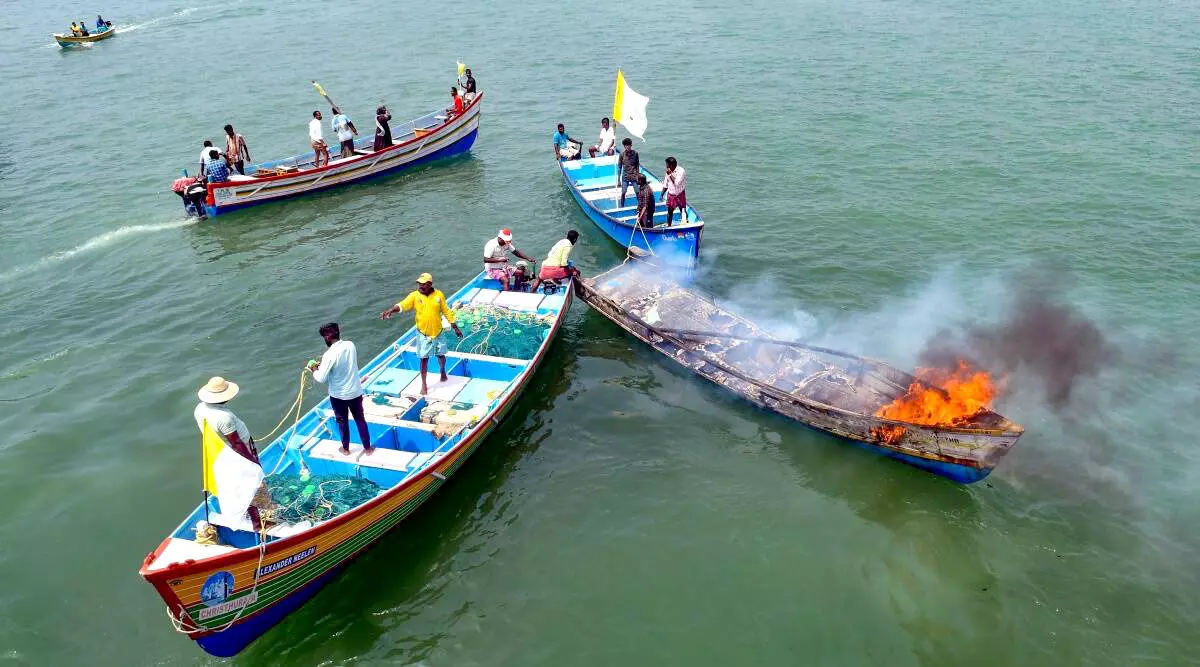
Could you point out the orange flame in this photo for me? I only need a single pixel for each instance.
(943, 398)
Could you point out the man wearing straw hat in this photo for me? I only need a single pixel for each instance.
(429, 306)
(213, 409)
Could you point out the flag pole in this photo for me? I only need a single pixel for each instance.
(322, 93)
(204, 468)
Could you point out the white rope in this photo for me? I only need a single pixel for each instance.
(182, 625)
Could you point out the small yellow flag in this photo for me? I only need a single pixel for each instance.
(320, 90)
(211, 445)
(462, 68)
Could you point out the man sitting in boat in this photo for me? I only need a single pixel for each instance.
(83, 29)
(101, 24)
(565, 148)
(558, 265)
(456, 107)
(495, 257)
(607, 144)
(75, 32)
(215, 170)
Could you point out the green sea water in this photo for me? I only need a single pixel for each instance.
(874, 173)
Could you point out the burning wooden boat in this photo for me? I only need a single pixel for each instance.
(937, 421)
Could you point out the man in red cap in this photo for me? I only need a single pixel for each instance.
(495, 257)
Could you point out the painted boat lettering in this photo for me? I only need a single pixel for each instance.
(226, 607)
(287, 562)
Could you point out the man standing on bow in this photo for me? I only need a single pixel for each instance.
(338, 370)
(629, 167)
(212, 410)
(675, 191)
(495, 257)
(468, 86)
(429, 306)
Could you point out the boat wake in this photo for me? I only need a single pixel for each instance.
(153, 22)
(102, 241)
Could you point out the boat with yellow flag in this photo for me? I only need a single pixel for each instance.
(227, 575)
(595, 185)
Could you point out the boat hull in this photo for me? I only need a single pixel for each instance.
(293, 569)
(67, 41)
(455, 137)
(962, 455)
(678, 244)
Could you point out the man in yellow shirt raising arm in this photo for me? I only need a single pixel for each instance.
(428, 305)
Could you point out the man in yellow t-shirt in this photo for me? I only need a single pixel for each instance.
(428, 305)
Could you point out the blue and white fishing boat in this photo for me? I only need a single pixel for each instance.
(593, 184)
(331, 507)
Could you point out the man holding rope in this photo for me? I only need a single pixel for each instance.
(338, 370)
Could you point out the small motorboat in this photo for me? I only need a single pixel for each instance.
(70, 40)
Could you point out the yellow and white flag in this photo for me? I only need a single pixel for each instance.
(462, 69)
(629, 108)
(229, 476)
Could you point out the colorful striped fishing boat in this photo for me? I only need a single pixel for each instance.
(66, 41)
(225, 595)
(828, 390)
(593, 184)
(430, 137)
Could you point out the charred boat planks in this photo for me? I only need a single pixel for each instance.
(829, 390)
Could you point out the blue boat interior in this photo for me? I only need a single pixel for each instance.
(595, 179)
(404, 442)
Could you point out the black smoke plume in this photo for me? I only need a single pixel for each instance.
(1041, 336)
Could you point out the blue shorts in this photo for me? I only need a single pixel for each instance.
(428, 346)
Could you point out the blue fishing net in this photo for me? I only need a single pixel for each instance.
(318, 497)
(498, 332)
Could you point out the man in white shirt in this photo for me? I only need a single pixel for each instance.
(608, 140)
(208, 146)
(317, 139)
(344, 127)
(338, 370)
(675, 191)
(495, 257)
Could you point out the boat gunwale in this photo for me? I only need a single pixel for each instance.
(192, 566)
(467, 115)
(587, 289)
(664, 229)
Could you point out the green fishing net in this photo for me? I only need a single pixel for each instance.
(498, 332)
(318, 497)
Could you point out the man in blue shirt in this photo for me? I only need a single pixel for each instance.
(215, 170)
(563, 150)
